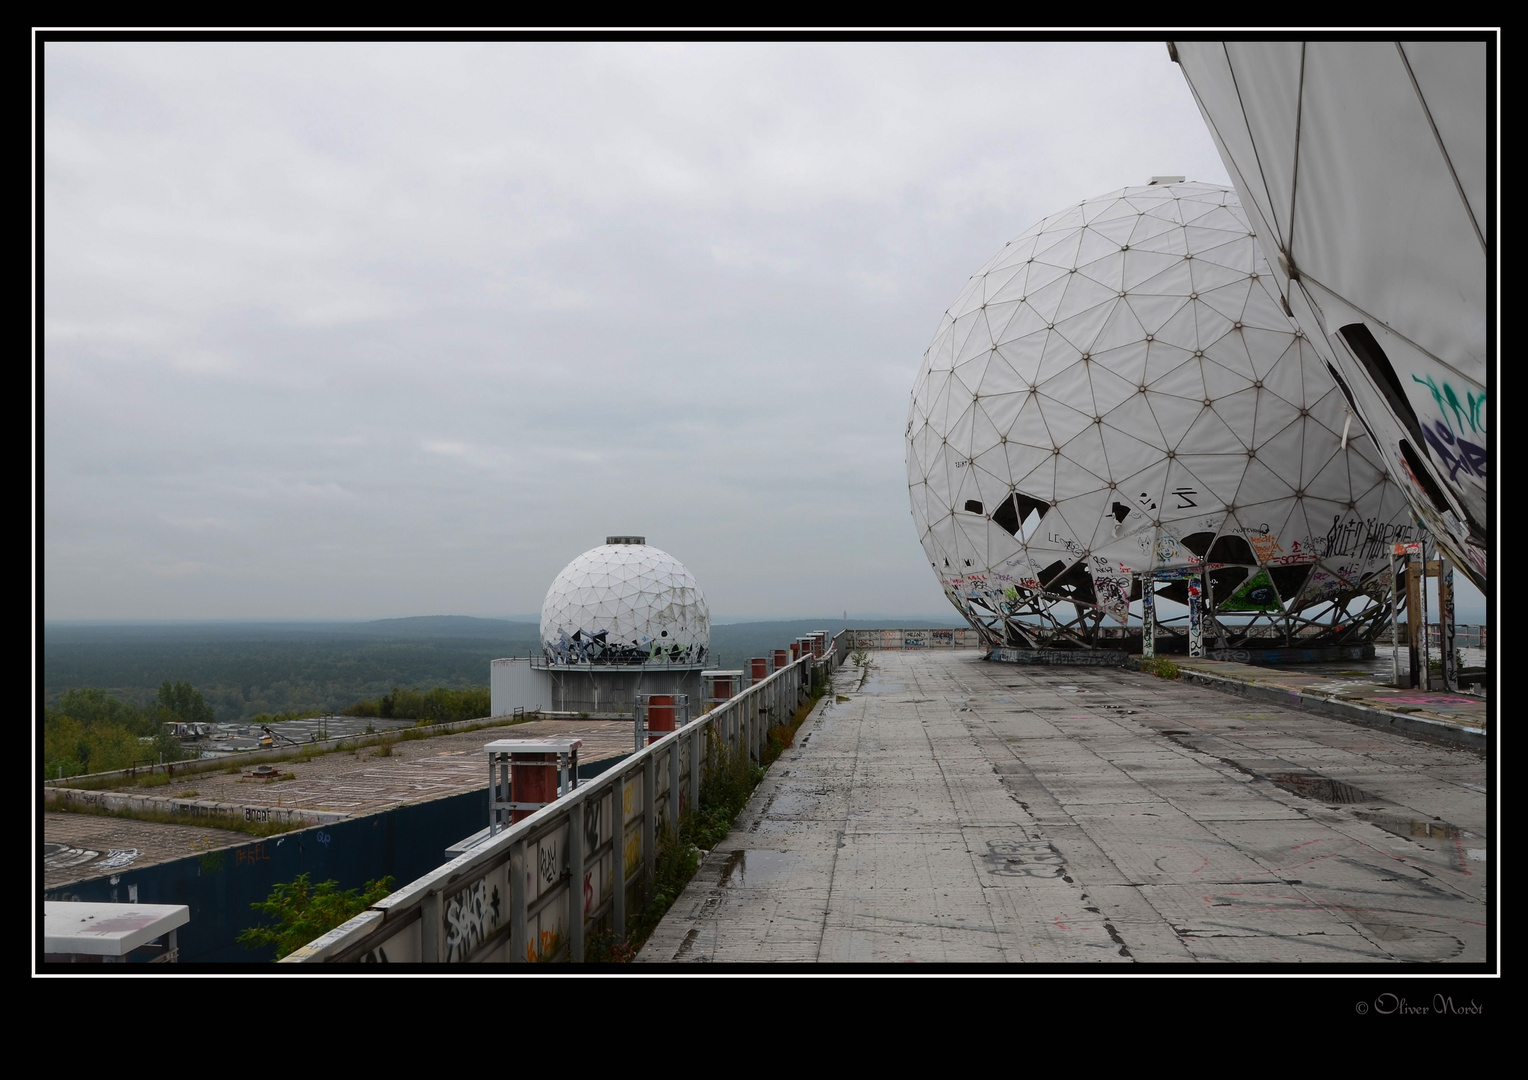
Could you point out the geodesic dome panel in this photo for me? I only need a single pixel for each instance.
(1118, 391)
(625, 603)
(1364, 166)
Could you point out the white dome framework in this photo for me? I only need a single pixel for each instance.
(1118, 392)
(625, 603)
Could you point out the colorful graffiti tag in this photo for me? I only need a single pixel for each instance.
(1447, 437)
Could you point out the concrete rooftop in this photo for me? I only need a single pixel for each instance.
(951, 810)
(352, 783)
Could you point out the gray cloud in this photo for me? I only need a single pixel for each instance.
(378, 329)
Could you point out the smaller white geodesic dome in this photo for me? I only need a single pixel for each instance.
(1118, 392)
(625, 602)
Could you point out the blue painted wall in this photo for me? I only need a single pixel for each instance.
(219, 886)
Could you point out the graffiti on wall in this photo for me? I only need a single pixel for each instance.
(1264, 545)
(1059, 657)
(251, 855)
(1111, 588)
(1195, 619)
(549, 858)
(472, 915)
(582, 648)
(1321, 585)
(1457, 433)
(1256, 594)
(1364, 539)
(117, 858)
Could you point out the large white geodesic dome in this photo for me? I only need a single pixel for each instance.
(625, 602)
(1117, 392)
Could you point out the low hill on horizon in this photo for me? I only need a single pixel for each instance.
(244, 669)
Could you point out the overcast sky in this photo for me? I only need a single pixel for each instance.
(366, 330)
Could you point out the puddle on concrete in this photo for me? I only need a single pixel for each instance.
(1410, 827)
(1320, 788)
(758, 867)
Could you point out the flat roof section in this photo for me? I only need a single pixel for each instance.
(352, 782)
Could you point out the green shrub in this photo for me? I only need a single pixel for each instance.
(1162, 668)
(303, 911)
(437, 706)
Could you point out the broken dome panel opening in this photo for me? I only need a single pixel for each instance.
(1199, 542)
(1224, 581)
(1289, 580)
(1051, 571)
(1232, 549)
(1019, 515)
(1423, 476)
(1362, 344)
(1076, 585)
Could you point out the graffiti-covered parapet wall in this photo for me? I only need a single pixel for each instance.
(938, 638)
(190, 810)
(579, 866)
(1061, 657)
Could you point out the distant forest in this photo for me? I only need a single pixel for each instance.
(245, 669)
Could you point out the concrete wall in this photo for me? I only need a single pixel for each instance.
(514, 684)
(941, 638)
(612, 690)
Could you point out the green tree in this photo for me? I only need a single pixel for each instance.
(438, 706)
(303, 911)
(184, 702)
(91, 731)
(92, 706)
(63, 744)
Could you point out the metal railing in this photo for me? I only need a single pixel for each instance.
(540, 888)
(1466, 635)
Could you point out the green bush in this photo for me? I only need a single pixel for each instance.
(1162, 668)
(303, 911)
(438, 706)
